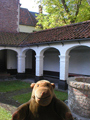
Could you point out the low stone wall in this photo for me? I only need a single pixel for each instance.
(79, 96)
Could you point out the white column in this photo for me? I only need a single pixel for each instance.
(39, 65)
(64, 65)
(21, 63)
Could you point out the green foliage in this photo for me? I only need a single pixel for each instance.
(4, 115)
(84, 12)
(13, 85)
(63, 12)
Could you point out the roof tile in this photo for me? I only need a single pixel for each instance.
(26, 18)
(11, 39)
(68, 32)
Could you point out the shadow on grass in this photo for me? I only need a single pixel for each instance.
(6, 97)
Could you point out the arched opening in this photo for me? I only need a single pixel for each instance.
(51, 67)
(79, 62)
(30, 63)
(8, 62)
(3, 60)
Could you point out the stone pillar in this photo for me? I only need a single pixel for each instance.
(39, 68)
(21, 66)
(64, 64)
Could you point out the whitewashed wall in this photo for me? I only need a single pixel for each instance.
(28, 61)
(11, 59)
(80, 61)
(27, 29)
(51, 60)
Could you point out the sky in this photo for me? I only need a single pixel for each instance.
(30, 5)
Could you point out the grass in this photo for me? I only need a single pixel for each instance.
(13, 85)
(4, 115)
(22, 98)
(25, 97)
(61, 95)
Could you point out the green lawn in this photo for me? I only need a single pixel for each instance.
(61, 95)
(25, 97)
(22, 98)
(13, 85)
(4, 115)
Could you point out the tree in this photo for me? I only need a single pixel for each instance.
(63, 12)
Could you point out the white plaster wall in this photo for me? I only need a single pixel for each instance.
(51, 60)
(27, 29)
(80, 62)
(11, 59)
(81, 68)
(28, 61)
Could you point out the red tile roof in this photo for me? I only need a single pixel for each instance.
(12, 39)
(63, 33)
(68, 32)
(26, 18)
